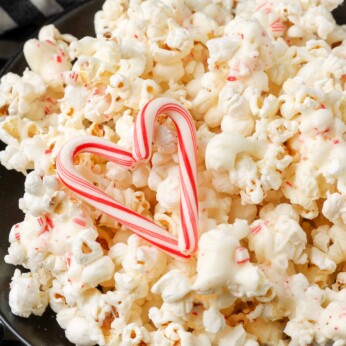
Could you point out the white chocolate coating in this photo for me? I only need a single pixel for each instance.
(264, 82)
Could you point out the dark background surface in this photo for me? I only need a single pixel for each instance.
(340, 13)
(27, 19)
(42, 331)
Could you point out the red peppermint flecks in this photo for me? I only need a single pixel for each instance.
(45, 223)
(50, 100)
(49, 222)
(74, 76)
(47, 110)
(68, 260)
(231, 78)
(289, 184)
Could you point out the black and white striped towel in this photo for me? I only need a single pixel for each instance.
(19, 19)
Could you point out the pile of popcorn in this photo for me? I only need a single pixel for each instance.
(265, 84)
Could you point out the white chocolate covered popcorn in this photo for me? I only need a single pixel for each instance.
(278, 238)
(265, 84)
(233, 271)
(26, 296)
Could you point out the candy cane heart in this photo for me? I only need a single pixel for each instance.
(187, 154)
(148, 230)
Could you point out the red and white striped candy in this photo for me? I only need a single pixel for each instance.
(79, 221)
(259, 227)
(277, 27)
(187, 151)
(143, 138)
(241, 255)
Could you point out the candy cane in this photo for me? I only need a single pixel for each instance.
(142, 150)
(187, 151)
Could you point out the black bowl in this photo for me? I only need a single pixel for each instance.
(340, 14)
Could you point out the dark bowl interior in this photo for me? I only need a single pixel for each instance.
(340, 14)
(44, 330)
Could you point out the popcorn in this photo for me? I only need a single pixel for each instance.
(236, 336)
(134, 335)
(16, 253)
(55, 60)
(85, 249)
(78, 331)
(318, 258)
(57, 300)
(26, 297)
(279, 240)
(264, 83)
(223, 149)
(168, 192)
(213, 320)
(237, 113)
(172, 286)
(40, 194)
(12, 158)
(335, 243)
(98, 271)
(221, 49)
(219, 246)
(332, 328)
(18, 94)
(185, 338)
